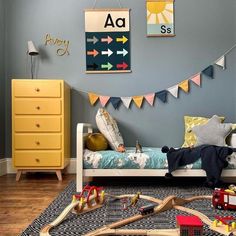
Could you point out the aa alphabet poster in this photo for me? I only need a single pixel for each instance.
(107, 33)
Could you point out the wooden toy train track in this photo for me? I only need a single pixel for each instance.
(95, 197)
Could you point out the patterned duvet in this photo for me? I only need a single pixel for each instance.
(151, 158)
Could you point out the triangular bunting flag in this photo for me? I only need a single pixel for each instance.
(184, 85)
(126, 101)
(104, 100)
(93, 98)
(162, 95)
(115, 101)
(150, 98)
(174, 90)
(209, 71)
(197, 79)
(221, 62)
(138, 100)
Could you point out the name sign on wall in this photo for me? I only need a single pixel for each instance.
(160, 18)
(61, 44)
(107, 33)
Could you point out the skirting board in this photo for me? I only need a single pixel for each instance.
(7, 168)
(3, 166)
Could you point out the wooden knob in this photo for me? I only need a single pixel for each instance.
(37, 142)
(37, 89)
(37, 125)
(37, 160)
(38, 107)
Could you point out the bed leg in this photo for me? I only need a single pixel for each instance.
(79, 184)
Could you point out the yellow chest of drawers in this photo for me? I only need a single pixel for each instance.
(40, 125)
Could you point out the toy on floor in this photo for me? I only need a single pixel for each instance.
(124, 202)
(225, 220)
(148, 209)
(224, 199)
(189, 225)
(135, 199)
(93, 197)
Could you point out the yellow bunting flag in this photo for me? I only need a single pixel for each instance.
(184, 86)
(138, 100)
(93, 98)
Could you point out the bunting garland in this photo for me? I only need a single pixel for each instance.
(161, 95)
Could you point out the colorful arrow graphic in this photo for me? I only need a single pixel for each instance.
(108, 52)
(93, 40)
(107, 66)
(122, 40)
(123, 52)
(93, 66)
(93, 53)
(107, 40)
(122, 66)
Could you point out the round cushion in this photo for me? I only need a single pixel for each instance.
(96, 142)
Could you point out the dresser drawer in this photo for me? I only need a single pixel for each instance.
(37, 141)
(37, 158)
(37, 107)
(37, 88)
(37, 124)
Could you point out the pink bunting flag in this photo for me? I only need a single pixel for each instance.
(150, 98)
(197, 79)
(104, 100)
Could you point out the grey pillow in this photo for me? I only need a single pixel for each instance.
(212, 133)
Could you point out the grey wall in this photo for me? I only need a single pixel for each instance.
(2, 81)
(204, 31)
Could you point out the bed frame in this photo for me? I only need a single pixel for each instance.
(83, 129)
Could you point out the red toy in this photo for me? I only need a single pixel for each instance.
(224, 199)
(189, 225)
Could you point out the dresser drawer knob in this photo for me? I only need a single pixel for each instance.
(37, 142)
(37, 89)
(37, 160)
(38, 107)
(37, 125)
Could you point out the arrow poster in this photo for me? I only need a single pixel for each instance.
(107, 33)
(160, 18)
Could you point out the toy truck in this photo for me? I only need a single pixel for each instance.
(224, 199)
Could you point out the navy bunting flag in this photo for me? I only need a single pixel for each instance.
(209, 71)
(115, 101)
(162, 95)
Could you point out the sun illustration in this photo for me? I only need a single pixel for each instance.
(160, 12)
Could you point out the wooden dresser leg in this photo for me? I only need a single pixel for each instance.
(59, 176)
(18, 174)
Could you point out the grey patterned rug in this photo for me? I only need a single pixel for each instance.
(112, 210)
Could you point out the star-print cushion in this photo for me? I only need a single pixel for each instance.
(213, 132)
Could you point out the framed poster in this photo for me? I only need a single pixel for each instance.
(107, 33)
(160, 18)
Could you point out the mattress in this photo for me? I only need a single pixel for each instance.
(151, 158)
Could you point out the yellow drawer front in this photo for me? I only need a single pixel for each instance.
(37, 124)
(37, 141)
(37, 159)
(38, 107)
(34, 88)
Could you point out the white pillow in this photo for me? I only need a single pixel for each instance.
(108, 127)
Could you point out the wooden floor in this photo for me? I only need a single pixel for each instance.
(21, 202)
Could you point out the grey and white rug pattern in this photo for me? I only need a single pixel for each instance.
(113, 211)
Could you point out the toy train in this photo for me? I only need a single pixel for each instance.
(148, 209)
(224, 199)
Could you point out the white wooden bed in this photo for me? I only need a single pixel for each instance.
(83, 129)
